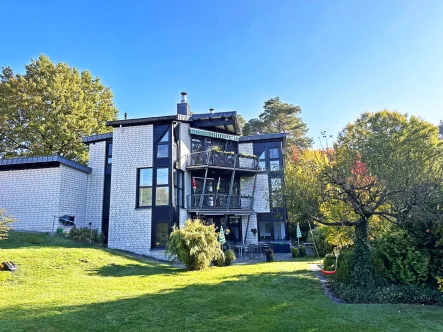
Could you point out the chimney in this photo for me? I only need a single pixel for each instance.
(183, 108)
(211, 110)
(126, 115)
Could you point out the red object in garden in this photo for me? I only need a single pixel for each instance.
(328, 272)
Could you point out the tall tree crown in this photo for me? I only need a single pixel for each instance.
(279, 117)
(50, 108)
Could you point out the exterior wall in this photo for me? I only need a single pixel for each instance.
(129, 227)
(250, 238)
(73, 194)
(94, 204)
(32, 197)
(37, 197)
(185, 149)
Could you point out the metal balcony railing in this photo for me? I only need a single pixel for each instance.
(220, 202)
(222, 159)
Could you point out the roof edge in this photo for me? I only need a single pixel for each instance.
(96, 138)
(44, 159)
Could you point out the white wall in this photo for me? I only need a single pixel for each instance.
(94, 203)
(185, 149)
(129, 227)
(35, 196)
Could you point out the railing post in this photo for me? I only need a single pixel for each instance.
(232, 182)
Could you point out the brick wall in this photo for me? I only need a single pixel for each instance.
(94, 204)
(129, 228)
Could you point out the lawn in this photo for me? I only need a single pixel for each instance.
(61, 286)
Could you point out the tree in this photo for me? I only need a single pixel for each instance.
(385, 165)
(241, 121)
(279, 117)
(5, 224)
(50, 108)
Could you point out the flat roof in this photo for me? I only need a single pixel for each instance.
(141, 121)
(263, 137)
(40, 162)
(96, 138)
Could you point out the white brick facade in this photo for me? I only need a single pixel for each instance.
(35, 196)
(129, 227)
(94, 204)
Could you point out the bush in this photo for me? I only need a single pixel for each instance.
(269, 253)
(294, 252)
(195, 245)
(397, 259)
(219, 261)
(344, 265)
(5, 224)
(85, 235)
(322, 245)
(35, 239)
(230, 257)
(390, 293)
(302, 250)
(329, 262)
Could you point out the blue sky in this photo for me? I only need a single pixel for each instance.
(335, 59)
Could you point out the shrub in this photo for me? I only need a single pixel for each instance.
(5, 224)
(295, 253)
(230, 257)
(397, 258)
(195, 245)
(322, 245)
(302, 250)
(389, 293)
(269, 253)
(85, 235)
(329, 262)
(35, 239)
(344, 265)
(219, 261)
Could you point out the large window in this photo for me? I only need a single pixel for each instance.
(144, 187)
(276, 192)
(163, 146)
(109, 153)
(262, 162)
(162, 187)
(179, 199)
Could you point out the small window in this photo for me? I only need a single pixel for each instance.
(162, 176)
(262, 163)
(162, 196)
(109, 154)
(144, 190)
(161, 234)
(163, 146)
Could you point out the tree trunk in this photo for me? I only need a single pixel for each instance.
(362, 273)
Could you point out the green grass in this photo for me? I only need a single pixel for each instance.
(61, 286)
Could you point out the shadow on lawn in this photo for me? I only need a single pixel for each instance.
(266, 301)
(142, 269)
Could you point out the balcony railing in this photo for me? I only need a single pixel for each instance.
(220, 202)
(222, 159)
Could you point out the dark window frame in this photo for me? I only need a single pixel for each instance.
(137, 202)
(179, 188)
(157, 186)
(166, 143)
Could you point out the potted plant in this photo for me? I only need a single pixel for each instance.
(269, 253)
(254, 231)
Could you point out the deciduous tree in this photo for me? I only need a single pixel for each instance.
(48, 109)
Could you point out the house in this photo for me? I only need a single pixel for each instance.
(149, 174)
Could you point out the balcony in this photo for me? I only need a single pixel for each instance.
(219, 203)
(221, 159)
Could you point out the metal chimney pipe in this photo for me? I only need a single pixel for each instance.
(126, 115)
(184, 97)
(211, 110)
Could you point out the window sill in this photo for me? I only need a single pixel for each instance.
(143, 207)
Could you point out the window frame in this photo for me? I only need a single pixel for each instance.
(179, 188)
(137, 203)
(163, 143)
(159, 186)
